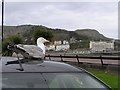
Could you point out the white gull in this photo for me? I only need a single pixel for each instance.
(31, 51)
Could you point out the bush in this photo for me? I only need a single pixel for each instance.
(45, 33)
(15, 39)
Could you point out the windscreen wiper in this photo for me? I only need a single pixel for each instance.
(20, 61)
(15, 62)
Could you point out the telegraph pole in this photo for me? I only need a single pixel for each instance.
(2, 17)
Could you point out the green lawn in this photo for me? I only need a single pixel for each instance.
(109, 78)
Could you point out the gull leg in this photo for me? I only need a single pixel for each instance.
(21, 68)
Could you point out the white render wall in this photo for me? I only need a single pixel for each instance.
(62, 47)
(58, 47)
(100, 46)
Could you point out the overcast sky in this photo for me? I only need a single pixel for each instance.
(102, 16)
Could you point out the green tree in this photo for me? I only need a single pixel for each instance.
(43, 32)
(15, 39)
(84, 44)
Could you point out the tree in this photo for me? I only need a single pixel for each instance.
(43, 32)
(16, 39)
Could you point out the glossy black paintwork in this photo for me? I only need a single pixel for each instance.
(44, 67)
(37, 66)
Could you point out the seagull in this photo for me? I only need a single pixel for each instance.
(31, 51)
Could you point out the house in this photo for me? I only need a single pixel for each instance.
(59, 46)
(101, 45)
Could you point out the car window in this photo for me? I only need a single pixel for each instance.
(23, 80)
(72, 80)
(50, 80)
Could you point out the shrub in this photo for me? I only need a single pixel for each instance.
(15, 39)
(45, 33)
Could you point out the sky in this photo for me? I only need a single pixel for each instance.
(101, 16)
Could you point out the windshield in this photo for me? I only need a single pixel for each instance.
(23, 80)
(72, 80)
(50, 80)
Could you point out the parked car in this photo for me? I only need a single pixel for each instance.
(47, 74)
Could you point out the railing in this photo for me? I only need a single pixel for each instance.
(101, 58)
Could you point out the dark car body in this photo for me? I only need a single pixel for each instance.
(47, 74)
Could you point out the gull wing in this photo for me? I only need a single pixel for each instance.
(33, 50)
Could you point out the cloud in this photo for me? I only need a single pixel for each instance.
(102, 16)
(62, 0)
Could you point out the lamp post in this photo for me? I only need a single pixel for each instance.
(2, 17)
(2, 20)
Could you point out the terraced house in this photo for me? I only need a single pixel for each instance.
(59, 46)
(101, 45)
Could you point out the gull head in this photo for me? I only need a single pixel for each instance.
(40, 43)
(41, 40)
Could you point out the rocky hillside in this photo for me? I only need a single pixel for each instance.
(59, 34)
(91, 34)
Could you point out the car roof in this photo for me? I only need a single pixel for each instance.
(35, 66)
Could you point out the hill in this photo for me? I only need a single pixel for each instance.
(59, 34)
(91, 34)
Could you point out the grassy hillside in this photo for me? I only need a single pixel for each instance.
(91, 34)
(59, 34)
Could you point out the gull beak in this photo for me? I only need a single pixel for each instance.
(47, 41)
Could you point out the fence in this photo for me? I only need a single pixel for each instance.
(101, 58)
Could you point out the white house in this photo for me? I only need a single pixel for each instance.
(101, 45)
(59, 46)
(57, 42)
(50, 47)
(62, 47)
